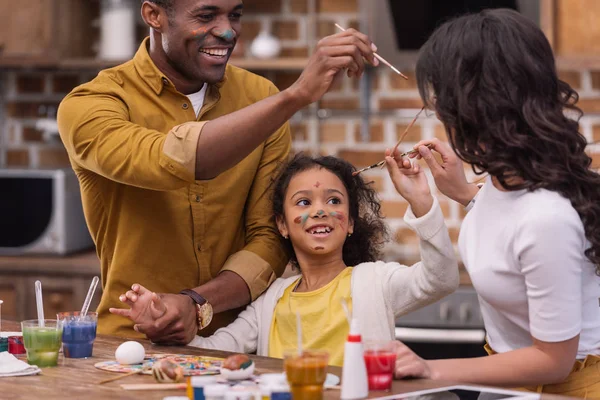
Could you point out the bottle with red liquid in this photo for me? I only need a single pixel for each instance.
(380, 360)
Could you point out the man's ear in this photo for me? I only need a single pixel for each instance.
(154, 16)
(282, 226)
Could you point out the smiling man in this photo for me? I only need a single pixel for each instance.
(175, 151)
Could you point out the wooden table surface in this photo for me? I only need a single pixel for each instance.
(78, 378)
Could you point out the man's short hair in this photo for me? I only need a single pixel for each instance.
(166, 4)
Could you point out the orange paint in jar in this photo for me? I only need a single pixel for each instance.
(306, 374)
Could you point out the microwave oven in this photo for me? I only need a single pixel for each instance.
(41, 212)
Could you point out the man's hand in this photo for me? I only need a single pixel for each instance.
(343, 51)
(163, 318)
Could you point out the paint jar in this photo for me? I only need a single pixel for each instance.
(215, 392)
(281, 391)
(117, 29)
(16, 345)
(3, 344)
(197, 384)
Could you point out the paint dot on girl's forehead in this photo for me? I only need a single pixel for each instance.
(317, 184)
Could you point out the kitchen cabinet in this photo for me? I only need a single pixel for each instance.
(65, 282)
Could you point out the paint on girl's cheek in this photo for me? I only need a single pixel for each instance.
(339, 216)
(301, 219)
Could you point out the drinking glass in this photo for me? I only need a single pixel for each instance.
(380, 359)
(306, 373)
(42, 344)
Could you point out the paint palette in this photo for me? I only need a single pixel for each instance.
(192, 365)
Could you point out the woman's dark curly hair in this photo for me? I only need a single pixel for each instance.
(370, 233)
(491, 78)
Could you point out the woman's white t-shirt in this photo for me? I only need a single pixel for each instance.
(524, 252)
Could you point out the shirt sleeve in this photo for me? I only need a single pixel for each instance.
(99, 137)
(263, 258)
(550, 250)
(241, 336)
(435, 276)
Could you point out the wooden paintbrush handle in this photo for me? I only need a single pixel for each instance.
(116, 378)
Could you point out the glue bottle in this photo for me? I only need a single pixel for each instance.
(354, 373)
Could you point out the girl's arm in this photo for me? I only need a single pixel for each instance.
(241, 336)
(436, 275)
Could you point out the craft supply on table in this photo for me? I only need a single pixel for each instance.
(166, 371)
(354, 374)
(16, 345)
(306, 373)
(130, 353)
(196, 384)
(78, 334)
(215, 391)
(42, 341)
(237, 367)
(380, 360)
(12, 366)
(192, 365)
(154, 386)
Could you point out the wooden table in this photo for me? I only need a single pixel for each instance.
(78, 378)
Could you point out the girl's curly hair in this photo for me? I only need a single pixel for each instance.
(491, 78)
(370, 233)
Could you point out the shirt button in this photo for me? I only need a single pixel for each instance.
(165, 81)
(199, 247)
(198, 198)
(184, 106)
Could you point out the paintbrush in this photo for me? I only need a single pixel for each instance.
(382, 163)
(116, 378)
(377, 56)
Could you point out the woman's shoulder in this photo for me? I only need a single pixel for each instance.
(542, 204)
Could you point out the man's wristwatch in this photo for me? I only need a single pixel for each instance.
(204, 310)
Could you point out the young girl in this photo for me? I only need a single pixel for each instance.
(531, 242)
(331, 223)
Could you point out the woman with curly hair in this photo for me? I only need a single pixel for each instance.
(330, 221)
(531, 240)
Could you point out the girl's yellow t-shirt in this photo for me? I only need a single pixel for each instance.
(323, 321)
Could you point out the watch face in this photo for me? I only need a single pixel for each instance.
(206, 313)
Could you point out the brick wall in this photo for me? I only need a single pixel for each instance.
(332, 127)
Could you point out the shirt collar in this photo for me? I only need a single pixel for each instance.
(150, 72)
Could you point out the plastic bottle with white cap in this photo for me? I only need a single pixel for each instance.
(355, 384)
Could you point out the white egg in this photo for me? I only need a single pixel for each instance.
(130, 353)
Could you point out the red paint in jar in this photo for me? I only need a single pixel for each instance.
(380, 369)
(15, 345)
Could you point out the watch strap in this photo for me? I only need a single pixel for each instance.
(198, 299)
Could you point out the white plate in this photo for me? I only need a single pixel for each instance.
(330, 381)
(7, 334)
